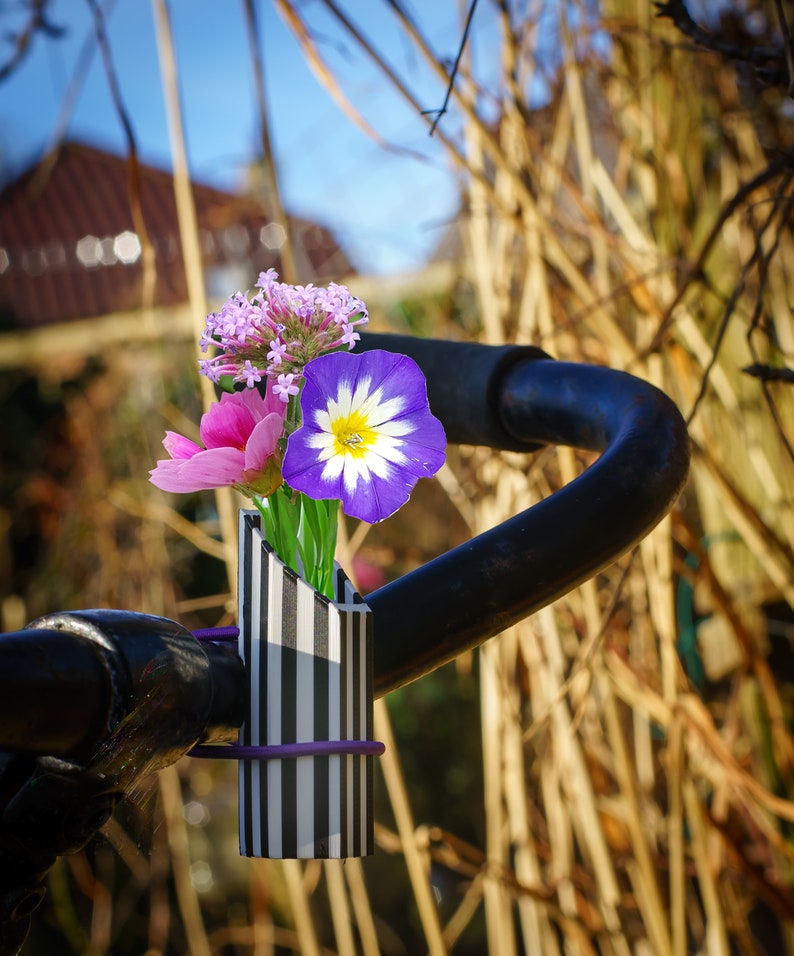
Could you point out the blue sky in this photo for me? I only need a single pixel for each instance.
(389, 210)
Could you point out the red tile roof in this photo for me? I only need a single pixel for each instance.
(68, 247)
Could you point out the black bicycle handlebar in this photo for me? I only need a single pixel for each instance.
(87, 672)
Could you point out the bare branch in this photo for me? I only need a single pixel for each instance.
(455, 66)
(757, 255)
(784, 27)
(767, 373)
(37, 23)
(676, 11)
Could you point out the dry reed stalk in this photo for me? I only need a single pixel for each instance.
(326, 78)
(644, 878)
(489, 247)
(655, 551)
(583, 143)
(715, 930)
(497, 899)
(191, 255)
(299, 899)
(340, 909)
(293, 871)
(187, 899)
(135, 861)
(537, 934)
(101, 914)
(559, 869)
(362, 908)
(577, 787)
(154, 511)
(773, 555)
(159, 902)
(398, 797)
(487, 281)
(489, 255)
(462, 916)
(346, 885)
(712, 760)
(148, 264)
(244, 938)
(261, 915)
(675, 836)
(642, 649)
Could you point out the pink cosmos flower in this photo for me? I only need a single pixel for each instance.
(240, 435)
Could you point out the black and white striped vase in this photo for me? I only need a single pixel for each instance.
(309, 667)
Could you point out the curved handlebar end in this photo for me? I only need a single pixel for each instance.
(469, 594)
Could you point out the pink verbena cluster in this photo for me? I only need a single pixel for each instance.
(275, 333)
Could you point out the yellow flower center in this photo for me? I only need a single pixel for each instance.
(352, 435)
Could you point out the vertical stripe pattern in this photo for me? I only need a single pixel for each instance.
(309, 665)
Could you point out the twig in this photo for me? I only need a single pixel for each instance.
(736, 293)
(37, 21)
(191, 252)
(326, 78)
(394, 79)
(110, 72)
(676, 11)
(69, 101)
(455, 65)
(696, 269)
(784, 27)
(186, 897)
(273, 193)
(766, 373)
(133, 165)
(763, 269)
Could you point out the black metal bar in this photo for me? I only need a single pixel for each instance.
(79, 693)
(473, 592)
(82, 684)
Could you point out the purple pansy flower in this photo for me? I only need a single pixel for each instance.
(367, 435)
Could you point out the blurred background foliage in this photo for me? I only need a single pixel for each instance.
(613, 775)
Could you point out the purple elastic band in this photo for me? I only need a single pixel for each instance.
(217, 633)
(311, 748)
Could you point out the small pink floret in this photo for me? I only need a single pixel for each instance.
(284, 387)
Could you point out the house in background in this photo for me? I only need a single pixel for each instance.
(69, 249)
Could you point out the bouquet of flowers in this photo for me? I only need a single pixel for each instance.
(312, 425)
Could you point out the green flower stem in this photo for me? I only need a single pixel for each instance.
(317, 542)
(302, 532)
(281, 517)
(292, 420)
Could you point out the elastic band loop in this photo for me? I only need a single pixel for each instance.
(217, 633)
(311, 748)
